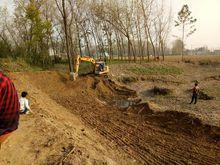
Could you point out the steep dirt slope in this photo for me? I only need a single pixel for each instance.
(53, 135)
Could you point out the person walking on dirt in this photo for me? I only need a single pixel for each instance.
(195, 92)
(24, 104)
(9, 108)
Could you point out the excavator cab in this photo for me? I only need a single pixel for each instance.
(101, 68)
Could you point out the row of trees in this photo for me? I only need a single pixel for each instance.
(127, 29)
(27, 33)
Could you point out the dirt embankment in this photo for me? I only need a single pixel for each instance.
(147, 136)
(54, 135)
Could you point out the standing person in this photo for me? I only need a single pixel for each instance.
(24, 104)
(195, 92)
(9, 107)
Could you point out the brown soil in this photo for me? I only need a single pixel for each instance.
(202, 95)
(114, 135)
(215, 77)
(160, 91)
(207, 108)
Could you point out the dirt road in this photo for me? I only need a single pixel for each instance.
(81, 122)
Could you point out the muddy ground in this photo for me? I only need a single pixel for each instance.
(103, 120)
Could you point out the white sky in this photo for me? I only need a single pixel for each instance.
(6, 2)
(207, 13)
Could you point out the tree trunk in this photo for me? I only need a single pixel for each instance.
(67, 42)
(78, 37)
(129, 49)
(87, 43)
(182, 50)
(152, 44)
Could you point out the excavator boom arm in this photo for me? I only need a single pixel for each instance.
(79, 59)
(88, 59)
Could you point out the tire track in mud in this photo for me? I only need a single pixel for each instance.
(115, 133)
(142, 137)
(144, 147)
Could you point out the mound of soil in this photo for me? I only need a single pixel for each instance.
(156, 91)
(176, 121)
(141, 109)
(127, 79)
(160, 91)
(185, 123)
(204, 96)
(109, 91)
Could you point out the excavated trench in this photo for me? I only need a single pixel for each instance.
(117, 114)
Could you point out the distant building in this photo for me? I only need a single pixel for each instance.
(198, 51)
(216, 52)
(202, 51)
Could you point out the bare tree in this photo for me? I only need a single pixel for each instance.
(185, 19)
(163, 20)
(130, 29)
(62, 9)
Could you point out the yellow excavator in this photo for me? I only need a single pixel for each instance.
(99, 67)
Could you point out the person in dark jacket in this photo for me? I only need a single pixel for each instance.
(9, 107)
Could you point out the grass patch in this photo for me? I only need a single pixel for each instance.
(60, 67)
(157, 70)
(18, 65)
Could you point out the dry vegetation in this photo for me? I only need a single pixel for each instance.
(195, 58)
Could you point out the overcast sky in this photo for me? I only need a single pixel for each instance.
(6, 2)
(207, 13)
